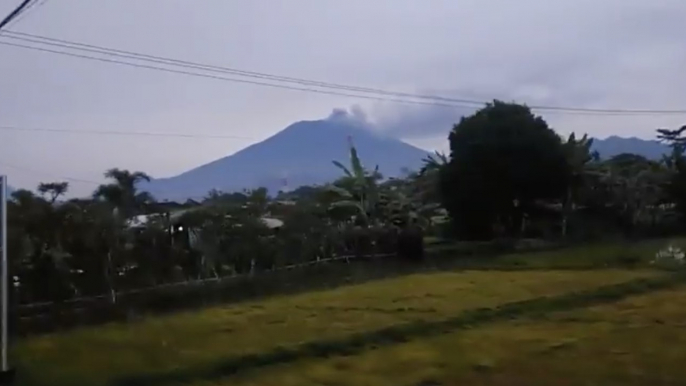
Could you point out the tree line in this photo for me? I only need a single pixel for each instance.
(508, 175)
(511, 175)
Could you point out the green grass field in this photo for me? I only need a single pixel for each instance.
(591, 256)
(638, 341)
(386, 330)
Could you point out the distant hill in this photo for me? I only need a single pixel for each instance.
(612, 146)
(301, 154)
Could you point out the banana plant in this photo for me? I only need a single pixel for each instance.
(433, 162)
(358, 189)
(579, 157)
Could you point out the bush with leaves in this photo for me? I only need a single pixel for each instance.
(503, 158)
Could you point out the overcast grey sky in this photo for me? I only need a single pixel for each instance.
(590, 53)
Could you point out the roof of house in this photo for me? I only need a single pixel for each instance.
(144, 219)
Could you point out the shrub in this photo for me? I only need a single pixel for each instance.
(411, 243)
(670, 257)
(628, 259)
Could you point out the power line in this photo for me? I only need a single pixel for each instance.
(235, 80)
(213, 68)
(34, 171)
(67, 178)
(16, 12)
(174, 196)
(436, 100)
(111, 132)
(24, 14)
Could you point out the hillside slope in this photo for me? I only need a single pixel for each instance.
(301, 154)
(614, 145)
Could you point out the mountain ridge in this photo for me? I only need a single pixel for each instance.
(302, 154)
(614, 145)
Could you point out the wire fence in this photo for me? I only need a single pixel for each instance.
(197, 282)
(130, 305)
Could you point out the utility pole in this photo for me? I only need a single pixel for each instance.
(6, 374)
(20, 8)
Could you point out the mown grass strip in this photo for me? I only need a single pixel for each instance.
(396, 310)
(357, 343)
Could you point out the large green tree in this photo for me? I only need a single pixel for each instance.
(502, 159)
(676, 163)
(53, 190)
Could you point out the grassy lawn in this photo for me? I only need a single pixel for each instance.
(592, 256)
(640, 340)
(96, 356)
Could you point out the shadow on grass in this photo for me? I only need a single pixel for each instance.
(357, 343)
(391, 311)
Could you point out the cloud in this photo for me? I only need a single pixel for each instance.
(418, 121)
(354, 115)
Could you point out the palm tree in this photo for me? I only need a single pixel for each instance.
(122, 192)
